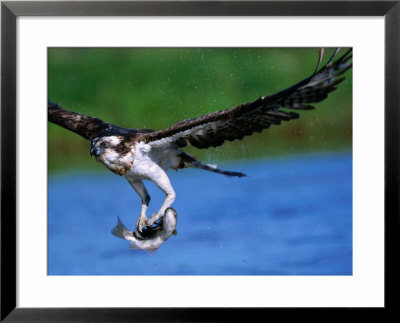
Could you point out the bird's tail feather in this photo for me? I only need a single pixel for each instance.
(190, 161)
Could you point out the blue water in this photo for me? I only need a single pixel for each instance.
(290, 216)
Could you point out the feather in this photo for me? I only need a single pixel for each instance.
(86, 126)
(214, 129)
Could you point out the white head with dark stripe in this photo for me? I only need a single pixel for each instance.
(111, 151)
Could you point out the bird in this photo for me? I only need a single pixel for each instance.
(145, 154)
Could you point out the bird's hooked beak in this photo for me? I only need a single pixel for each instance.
(93, 151)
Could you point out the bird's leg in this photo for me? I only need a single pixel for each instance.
(139, 187)
(162, 181)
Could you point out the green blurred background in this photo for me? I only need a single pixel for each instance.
(157, 87)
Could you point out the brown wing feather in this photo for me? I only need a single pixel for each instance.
(85, 126)
(235, 123)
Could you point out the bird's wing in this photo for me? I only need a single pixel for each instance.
(215, 128)
(85, 126)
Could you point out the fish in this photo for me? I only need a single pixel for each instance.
(150, 238)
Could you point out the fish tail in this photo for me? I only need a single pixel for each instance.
(120, 230)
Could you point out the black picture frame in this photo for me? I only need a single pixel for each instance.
(10, 10)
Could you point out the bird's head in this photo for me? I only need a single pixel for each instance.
(104, 146)
(113, 152)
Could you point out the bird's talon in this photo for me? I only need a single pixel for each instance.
(141, 223)
(152, 220)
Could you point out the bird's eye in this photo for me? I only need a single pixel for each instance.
(104, 144)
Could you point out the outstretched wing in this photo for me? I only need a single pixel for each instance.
(85, 126)
(215, 128)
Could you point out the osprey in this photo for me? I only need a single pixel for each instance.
(143, 154)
